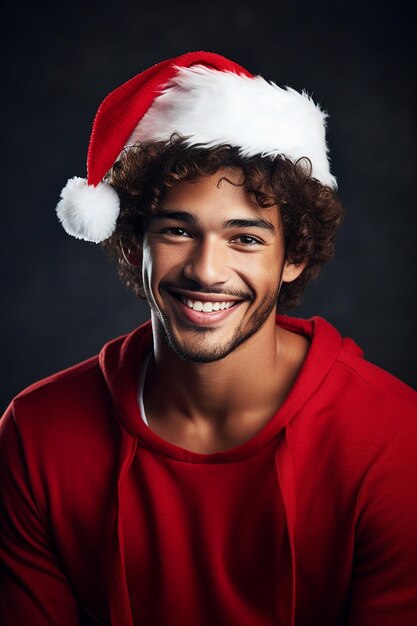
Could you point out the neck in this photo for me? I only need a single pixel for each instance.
(251, 380)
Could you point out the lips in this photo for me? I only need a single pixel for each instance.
(204, 311)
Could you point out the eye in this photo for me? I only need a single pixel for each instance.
(175, 231)
(247, 240)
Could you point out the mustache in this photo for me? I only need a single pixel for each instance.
(191, 286)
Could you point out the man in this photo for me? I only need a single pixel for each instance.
(221, 465)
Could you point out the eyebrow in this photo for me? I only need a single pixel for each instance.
(189, 218)
(178, 216)
(250, 223)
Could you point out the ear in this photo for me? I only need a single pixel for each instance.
(133, 256)
(291, 271)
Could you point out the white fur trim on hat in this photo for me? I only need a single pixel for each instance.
(88, 212)
(212, 107)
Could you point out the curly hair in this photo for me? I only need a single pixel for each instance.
(310, 211)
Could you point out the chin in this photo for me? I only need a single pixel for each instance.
(195, 351)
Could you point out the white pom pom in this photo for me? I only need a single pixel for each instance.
(88, 212)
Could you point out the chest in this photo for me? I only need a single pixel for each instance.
(205, 536)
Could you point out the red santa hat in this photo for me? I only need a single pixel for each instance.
(207, 99)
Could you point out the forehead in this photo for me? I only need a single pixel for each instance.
(217, 197)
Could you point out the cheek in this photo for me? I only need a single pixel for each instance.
(151, 272)
(263, 273)
(160, 263)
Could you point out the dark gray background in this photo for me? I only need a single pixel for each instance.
(61, 298)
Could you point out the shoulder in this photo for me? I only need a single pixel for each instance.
(63, 430)
(357, 410)
(371, 386)
(340, 376)
(370, 410)
(358, 382)
(69, 392)
(59, 440)
(72, 401)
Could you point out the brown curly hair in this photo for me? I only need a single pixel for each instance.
(310, 211)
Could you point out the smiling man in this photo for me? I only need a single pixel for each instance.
(223, 464)
(213, 265)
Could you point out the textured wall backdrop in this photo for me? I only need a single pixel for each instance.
(61, 298)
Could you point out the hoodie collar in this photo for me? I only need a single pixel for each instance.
(121, 359)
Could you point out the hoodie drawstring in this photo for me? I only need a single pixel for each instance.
(119, 602)
(286, 480)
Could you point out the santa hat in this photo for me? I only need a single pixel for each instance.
(208, 100)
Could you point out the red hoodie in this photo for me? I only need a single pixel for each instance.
(313, 521)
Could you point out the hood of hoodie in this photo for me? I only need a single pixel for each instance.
(120, 361)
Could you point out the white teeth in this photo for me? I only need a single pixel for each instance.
(206, 307)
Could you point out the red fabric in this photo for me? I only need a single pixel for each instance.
(311, 522)
(121, 111)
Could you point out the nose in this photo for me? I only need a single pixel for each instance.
(207, 263)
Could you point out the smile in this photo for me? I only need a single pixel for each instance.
(203, 312)
(207, 307)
